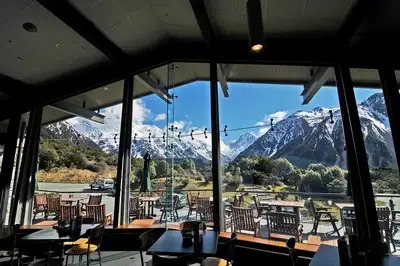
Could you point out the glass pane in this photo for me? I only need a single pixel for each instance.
(280, 153)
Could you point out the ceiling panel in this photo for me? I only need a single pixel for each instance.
(53, 50)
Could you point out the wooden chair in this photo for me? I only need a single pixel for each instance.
(384, 225)
(93, 245)
(282, 225)
(68, 212)
(261, 210)
(394, 223)
(172, 208)
(8, 240)
(225, 253)
(147, 239)
(191, 204)
(243, 220)
(321, 214)
(39, 205)
(93, 200)
(204, 209)
(290, 245)
(349, 218)
(53, 205)
(170, 261)
(98, 214)
(135, 209)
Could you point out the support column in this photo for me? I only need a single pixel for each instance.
(8, 163)
(21, 209)
(215, 140)
(363, 196)
(392, 101)
(122, 186)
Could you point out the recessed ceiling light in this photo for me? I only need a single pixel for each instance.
(30, 27)
(106, 88)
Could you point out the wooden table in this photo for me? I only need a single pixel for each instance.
(329, 256)
(212, 199)
(170, 243)
(296, 205)
(150, 202)
(72, 200)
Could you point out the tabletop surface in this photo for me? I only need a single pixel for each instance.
(344, 205)
(329, 256)
(51, 234)
(170, 243)
(149, 198)
(73, 199)
(282, 203)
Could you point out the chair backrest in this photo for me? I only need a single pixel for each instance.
(189, 198)
(175, 202)
(238, 200)
(391, 205)
(290, 245)
(148, 238)
(134, 204)
(96, 236)
(227, 249)
(53, 203)
(243, 218)
(170, 261)
(204, 208)
(97, 212)
(8, 236)
(95, 199)
(40, 199)
(383, 219)
(68, 212)
(309, 204)
(283, 223)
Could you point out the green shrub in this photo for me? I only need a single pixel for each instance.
(185, 181)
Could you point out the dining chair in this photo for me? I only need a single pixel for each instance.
(282, 223)
(204, 209)
(321, 214)
(81, 240)
(147, 239)
(170, 261)
(243, 219)
(384, 225)
(68, 212)
(98, 214)
(39, 205)
(172, 208)
(8, 239)
(93, 245)
(290, 245)
(93, 200)
(261, 210)
(135, 208)
(395, 222)
(53, 205)
(191, 204)
(225, 253)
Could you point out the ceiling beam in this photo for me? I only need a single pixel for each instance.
(318, 79)
(203, 21)
(153, 84)
(68, 14)
(75, 110)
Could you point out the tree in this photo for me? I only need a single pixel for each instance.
(282, 168)
(78, 159)
(337, 185)
(317, 167)
(162, 168)
(48, 158)
(294, 178)
(152, 170)
(265, 165)
(246, 163)
(189, 165)
(311, 182)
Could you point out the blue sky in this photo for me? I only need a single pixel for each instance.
(247, 105)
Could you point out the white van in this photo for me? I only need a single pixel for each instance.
(102, 184)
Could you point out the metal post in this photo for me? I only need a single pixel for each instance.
(392, 101)
(122, 187)
(215, 140)
(8, 162)
(21, 208)
(364, 202)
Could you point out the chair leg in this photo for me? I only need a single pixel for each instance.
(141, 257)
(87, 259)
(177, 215)
(187, 217)
(66, 260)
(391, 237)
(99, 256)
(334, 226)
(316, 225)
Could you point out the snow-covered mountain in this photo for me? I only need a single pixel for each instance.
(305, 137)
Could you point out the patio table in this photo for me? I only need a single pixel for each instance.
(71, 200)
(296, 205)
(150, 202)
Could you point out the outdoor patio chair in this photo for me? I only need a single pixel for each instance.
(93, 245)
(39, 205)
(147, 239)
(68, 212)
(98, 214)
(243, 219)
(290, 245)
(282, 225)
(205, 210)
(93, 200)
(8, 238)
(384, 225)
(53, 205)
(191, 204)
(261, 210)
(395, 221)
(172, 208)
(349, 218)
(321, 214)
(135, 208)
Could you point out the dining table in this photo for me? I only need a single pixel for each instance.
(148, 203)
(279, 204)
(70, 200)
(170, 243)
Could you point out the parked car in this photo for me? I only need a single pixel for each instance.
(164, 200)
(102, 184)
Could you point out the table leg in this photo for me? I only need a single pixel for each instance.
(152, 209)
(148, 209)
